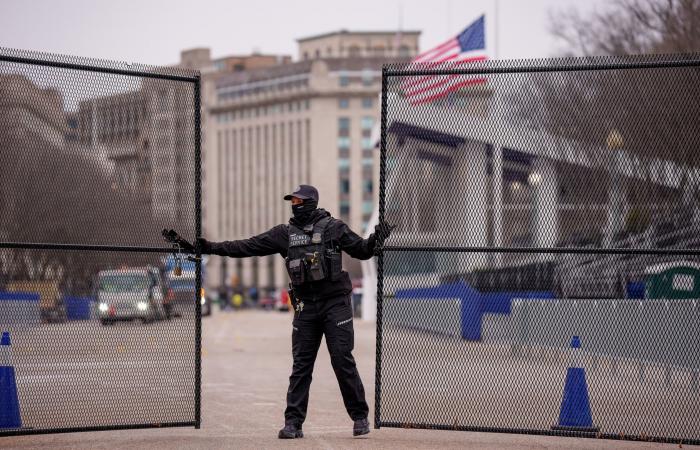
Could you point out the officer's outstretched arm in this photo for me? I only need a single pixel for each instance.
(268, 243)
(354, 245)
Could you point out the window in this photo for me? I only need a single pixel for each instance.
(344, 186)
(367, 122)
(318, 53)
(367, 186)
(404, 51)
(367, 102)
(343, 123)
(344, 208)
(354, 51)
(343, 79)
(367, 145)
(306, 55)
(367, 77)
(367, 207)
(343, 142)
(343, 103)
(307, 104)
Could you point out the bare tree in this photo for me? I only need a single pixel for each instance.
(647, 113)
(627, 27)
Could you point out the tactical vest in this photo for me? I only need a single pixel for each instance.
(311, 255)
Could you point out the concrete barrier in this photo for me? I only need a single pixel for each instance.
(663, 332)
(19, 309)
(453, 308)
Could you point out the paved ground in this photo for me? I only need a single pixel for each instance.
(246, 363)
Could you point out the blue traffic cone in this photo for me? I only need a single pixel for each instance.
(575, 411)
(9, 402)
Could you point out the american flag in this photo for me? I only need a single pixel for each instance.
(468, 46)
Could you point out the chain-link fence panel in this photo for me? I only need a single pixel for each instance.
(100, 320)
(544, 273)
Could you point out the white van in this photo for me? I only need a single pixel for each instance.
(128, 294)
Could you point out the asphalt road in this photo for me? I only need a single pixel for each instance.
(132, 372)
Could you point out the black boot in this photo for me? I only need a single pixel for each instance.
(290, 431)
(361, 427)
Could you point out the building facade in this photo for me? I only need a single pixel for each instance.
(270, 129)
(32, 124)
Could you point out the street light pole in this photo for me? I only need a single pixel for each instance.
(614, 142)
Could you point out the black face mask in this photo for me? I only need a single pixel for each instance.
(302, 212)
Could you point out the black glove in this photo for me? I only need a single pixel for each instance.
(172, 237)
(382, 231)
(200, 244)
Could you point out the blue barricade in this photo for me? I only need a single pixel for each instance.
(473, 304)
(20, 308)
(77, 308)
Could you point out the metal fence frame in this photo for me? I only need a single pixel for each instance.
(536, 67)
(106, 67)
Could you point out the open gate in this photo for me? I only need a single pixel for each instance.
(544, 274)
(96, 158)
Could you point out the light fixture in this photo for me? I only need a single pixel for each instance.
(534, 179)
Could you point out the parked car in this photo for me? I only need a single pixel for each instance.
(268, 299)
(180, 293)
(282, 300)
(206, 303)
(180, 288)
(130, 294)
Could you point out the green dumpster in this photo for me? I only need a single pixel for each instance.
(675, 279)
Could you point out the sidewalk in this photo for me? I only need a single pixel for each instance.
(246, 362)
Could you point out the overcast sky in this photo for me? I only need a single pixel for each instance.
(154, 31)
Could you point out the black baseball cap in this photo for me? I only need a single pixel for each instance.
(304, 192)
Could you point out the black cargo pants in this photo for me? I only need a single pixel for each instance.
(332, 317)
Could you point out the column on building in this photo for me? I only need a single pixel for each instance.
(543, 180)
(617, 208)
(263, 274)
(497, 199)
(248, 175)
(469, 191)
(214, 276)
(279, 189)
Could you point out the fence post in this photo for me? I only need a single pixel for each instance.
(380, 256)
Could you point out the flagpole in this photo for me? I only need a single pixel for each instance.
(449, 16)
(495, 29)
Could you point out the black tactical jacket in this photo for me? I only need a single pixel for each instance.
(276, 240)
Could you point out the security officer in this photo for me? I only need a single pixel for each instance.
(312, 243)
